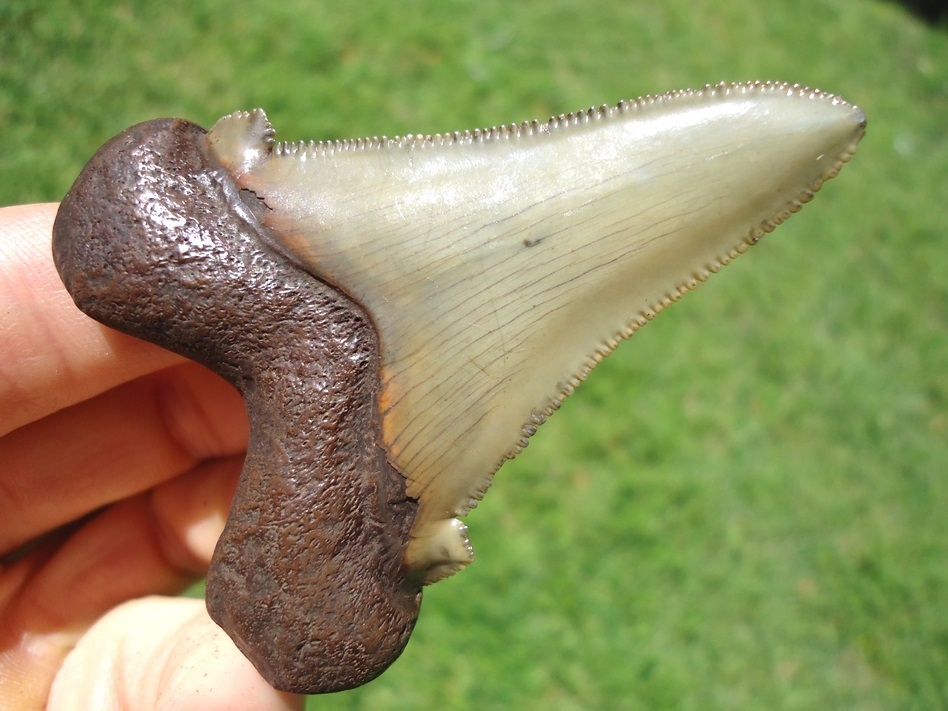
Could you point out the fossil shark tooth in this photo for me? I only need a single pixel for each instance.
(499, 266)
(400, 315)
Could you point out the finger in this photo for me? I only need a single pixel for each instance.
(161, 654)
(51, 354)
(114, 445)
(157, 542)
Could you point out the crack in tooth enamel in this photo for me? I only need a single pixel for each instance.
(367, 250)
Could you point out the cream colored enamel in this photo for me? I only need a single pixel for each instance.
(500, 266)
(439, 549)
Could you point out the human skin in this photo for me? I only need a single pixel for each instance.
(118, 461)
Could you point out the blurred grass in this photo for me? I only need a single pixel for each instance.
(745, 508)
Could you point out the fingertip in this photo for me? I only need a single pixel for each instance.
(159, 654)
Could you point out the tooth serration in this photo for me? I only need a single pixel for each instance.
(501, 265)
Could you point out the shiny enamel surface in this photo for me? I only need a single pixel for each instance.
(500, 265)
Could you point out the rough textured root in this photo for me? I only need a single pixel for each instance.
(307, 577)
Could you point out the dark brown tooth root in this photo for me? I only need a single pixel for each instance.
(154, 240)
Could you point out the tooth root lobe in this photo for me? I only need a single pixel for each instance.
(307, 577)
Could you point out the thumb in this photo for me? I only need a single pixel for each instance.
(158, 654)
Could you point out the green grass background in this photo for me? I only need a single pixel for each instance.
(745, 507)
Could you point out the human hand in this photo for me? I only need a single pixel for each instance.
(118, 461)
